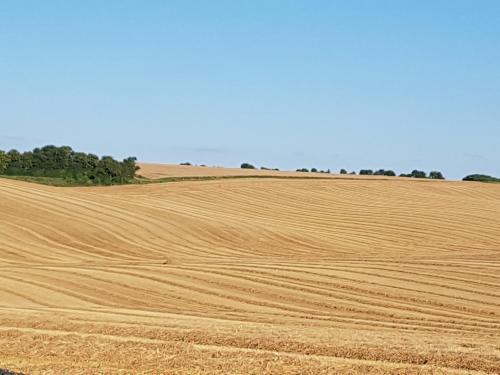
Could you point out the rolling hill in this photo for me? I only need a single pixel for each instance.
(251, 276)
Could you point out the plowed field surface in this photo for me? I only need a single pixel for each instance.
(153, 171)
(251, 276)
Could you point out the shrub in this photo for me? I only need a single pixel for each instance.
(303, 170)
(418, 174)
(366, 172)
(343, 171)
(247, 166)
(480, 178)
(186, 163)
(314, 170)
(383, 172)
(436, 175)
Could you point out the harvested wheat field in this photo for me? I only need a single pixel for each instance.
(251, 276)
(154, 171)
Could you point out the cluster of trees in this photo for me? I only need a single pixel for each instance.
(250, 166)
(63, 162)
(188, 164)
(313, 170)
(384, 172)
(269, 169)
(380, 172)
(343, 171)
(481, 178)
(433, 175)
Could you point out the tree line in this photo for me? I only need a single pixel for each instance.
(64, 162)
(481, 178)
(433, 175)
(436, 175)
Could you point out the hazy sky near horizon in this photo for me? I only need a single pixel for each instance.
(288, 84)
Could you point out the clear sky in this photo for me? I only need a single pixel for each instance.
(327, 84)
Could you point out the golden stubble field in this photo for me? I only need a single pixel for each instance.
(253, 276)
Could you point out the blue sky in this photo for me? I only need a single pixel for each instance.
(326, 84)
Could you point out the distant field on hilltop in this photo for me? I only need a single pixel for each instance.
(250, 276)
(156, 170)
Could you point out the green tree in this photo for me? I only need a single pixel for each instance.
(63, 162)
(343, 171)
(366, 172)
(418, 174)
(128, 169)
(436, 175)
(4, 161)
(247, 166)
(480, 178)
(15, 166)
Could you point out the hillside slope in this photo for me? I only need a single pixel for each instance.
(251, 276)
(155, 171)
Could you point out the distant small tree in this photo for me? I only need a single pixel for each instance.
(384, 172)
(418, 174)
(186, 163)
(247, 166)
(353, 173)
(343, 171)
(436, 175)
(366, 172)
(314, 170)
(480, 178)
(303, 170)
